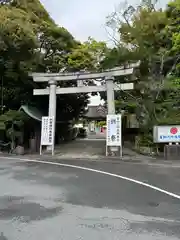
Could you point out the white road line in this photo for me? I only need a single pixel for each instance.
(98, 171)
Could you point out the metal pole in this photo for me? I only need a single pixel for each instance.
(110, 95)
(52, 109)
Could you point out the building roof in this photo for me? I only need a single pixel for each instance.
(32, 112)
(35, 113)
(96, 112)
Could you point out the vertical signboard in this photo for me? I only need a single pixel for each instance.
(47, 133)
(113, 134)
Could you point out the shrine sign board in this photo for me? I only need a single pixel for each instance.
(47, 133)
(113, 133)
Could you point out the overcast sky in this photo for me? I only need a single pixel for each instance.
(84, 18)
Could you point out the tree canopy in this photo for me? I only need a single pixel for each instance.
(151, 35)
(32, 42)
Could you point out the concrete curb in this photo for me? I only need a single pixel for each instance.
(85, 159)
(129, 160)
(70, 158)
(150, 162)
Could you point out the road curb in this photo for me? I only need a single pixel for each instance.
(87, 159)
(129, 160)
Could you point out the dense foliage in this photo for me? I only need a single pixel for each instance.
(152, 36)
(32, 41)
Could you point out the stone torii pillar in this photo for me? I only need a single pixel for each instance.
(52, 105)
(110, 94)
(52, 98)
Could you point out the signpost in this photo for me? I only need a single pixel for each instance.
(113, 135)
(47, 133)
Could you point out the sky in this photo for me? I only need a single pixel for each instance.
(84, 18)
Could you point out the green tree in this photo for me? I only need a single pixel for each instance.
(32, 42)
(18, 44)
(150, 35)
(87, 56)
(13, 122)
(143, 36)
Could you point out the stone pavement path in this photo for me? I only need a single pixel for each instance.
(92, 148)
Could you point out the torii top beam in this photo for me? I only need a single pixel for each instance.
(119, 71)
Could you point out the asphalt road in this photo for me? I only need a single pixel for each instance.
(39, 201)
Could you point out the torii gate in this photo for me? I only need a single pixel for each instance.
(109, 86)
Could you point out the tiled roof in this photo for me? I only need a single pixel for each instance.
(98, 112)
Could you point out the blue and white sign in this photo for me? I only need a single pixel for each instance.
(166, 134)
